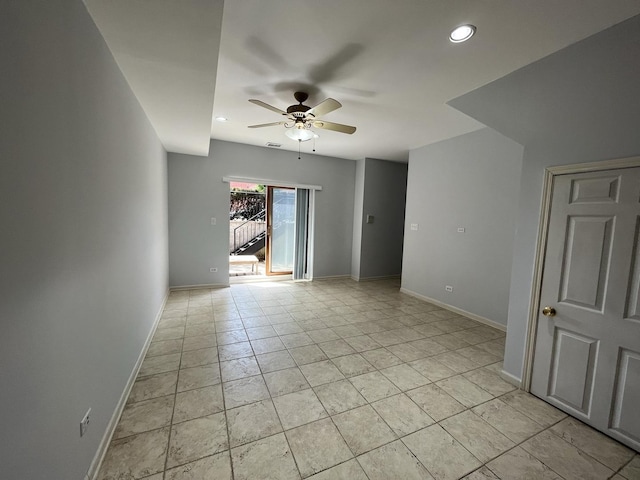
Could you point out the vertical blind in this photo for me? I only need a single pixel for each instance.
(300, 256)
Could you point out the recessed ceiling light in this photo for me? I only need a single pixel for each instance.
(221, 119)
(462, 33)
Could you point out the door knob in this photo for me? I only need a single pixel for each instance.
(549, 311)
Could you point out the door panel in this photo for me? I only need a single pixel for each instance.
(573, 369)
(586, 359)
(625, 418)
(595, 190)
(632, 304)
(586, 262)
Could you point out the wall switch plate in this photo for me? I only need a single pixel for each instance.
(370, 218)
(460, 229)
(213, 220)
(84, 423)
(213, 270)
(414, 226)
(448, 288)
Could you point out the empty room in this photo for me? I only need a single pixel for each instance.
(328, 240)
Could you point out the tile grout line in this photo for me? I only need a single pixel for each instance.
(175, 398)
(625, 465)
(284, 434)
(224, 406)
(331, 360)
(275, 410)
(293, 457)
(323, 408)
(368, 404)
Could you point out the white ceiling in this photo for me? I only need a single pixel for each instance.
(546, 103)
(168, 52)
(388, 62)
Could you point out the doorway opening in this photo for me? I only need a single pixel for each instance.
(269, 234)
(247, 229)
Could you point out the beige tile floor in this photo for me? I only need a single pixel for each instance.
(336, 380)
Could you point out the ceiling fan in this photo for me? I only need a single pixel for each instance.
(300, 118)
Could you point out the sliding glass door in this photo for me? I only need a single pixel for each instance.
(281, 227)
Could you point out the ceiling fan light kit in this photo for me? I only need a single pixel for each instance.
(301, 134)
(300, 118)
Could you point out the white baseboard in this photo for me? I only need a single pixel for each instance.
(195, 287)
(512, 379)
(457, 310)
(381, 277)
(333, 277)
(92, 474)
(240, 279)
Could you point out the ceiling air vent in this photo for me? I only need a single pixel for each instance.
(276, 145)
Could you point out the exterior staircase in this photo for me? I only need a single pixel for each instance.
(249, 237)
(252, 246)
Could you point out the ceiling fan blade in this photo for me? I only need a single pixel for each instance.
(267, 106)
(273, 124)
(329, 105)
(336, 127)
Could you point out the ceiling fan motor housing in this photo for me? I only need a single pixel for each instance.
(299, 109)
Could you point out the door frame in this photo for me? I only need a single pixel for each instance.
(541, 247)
(312, 206)
(269, 239)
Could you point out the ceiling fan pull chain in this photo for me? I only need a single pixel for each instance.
(299, 142)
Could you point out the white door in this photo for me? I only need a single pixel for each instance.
(587, 356)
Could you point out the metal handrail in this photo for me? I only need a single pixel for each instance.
(254, 233)
(257, 228)
(261, 213)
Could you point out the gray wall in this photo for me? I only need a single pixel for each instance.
(84, 237)
(383, 196)
(578, 105)
(197, 193)
(470, 181)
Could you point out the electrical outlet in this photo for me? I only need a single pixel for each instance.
(84, 423)
(460, 229)
(448, 288)
(414, 226)
(213, 220)
(213, 270)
